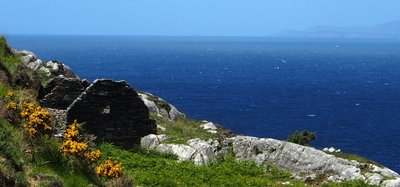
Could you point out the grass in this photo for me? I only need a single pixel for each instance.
(40, 161)
(7, 63)
(352, 183)
(182, 130)
(356, 158)
(4, 90)
(155, 169)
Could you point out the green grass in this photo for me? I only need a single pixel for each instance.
(352, 183)
(182, 130)
(4, 90)
(155, 169)
(356, 158)
(7, 63)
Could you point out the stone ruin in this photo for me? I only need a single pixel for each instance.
(60, 92)
(111, 110)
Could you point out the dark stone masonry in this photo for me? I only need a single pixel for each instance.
(60, 92)
(113, 111)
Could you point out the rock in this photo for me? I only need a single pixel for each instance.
(205, 151)
(162, 129)
(59, 120)
(208, 126)
(52, 68)
(24, 78)
(151, 141)
(35, 65)
(184, 152)
(45, 70)
(26, 56)
(150, 104)
(174, 113)
(392, 183)
(163, 113)
(374, 178)
(198, 151)
(60, 92)
(113, 112)
(384, 171)
(159, 106)
(293, 157)
(59, 69)
(331, 150)
(4, 77)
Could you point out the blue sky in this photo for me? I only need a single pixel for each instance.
(188, 17)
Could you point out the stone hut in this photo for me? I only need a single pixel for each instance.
(112, 111)
(60, 92)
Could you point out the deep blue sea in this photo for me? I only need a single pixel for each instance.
(346, 91)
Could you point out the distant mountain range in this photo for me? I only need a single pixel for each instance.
(390, 30)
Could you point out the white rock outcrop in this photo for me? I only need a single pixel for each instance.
(166, 110)
(304, 162)
(151, 141)
(209, 126)
(51, 68)
(196, 150)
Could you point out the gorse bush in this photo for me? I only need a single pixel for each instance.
(109, 168)
(303, 138)
(74, 146)
(36, 119)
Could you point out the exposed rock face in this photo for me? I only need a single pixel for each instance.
(26, 56)
(113, 111)
(198, 151)
(209, 126)
(305, 160)
(151, 141)
(60, 92)
(52, 68)
(161, 107)
(392, 183)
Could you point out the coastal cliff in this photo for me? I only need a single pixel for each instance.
(116, 112)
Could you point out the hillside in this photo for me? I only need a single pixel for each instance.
(124, 137)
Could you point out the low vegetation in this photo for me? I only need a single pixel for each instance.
(303, 137)
(355, 157)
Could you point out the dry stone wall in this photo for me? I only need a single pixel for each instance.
(113, 111)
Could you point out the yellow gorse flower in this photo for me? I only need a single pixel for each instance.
(72, 132)
(73, 147)
(37, 118)
(109, 168)
(10, 95)
(93, 156)
(11, 106)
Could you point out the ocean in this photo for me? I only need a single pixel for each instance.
(347, 91)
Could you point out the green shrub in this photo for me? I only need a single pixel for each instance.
(303, 138)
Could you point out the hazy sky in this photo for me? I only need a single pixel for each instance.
(188, 17)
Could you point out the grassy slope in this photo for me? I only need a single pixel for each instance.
(26, 162)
